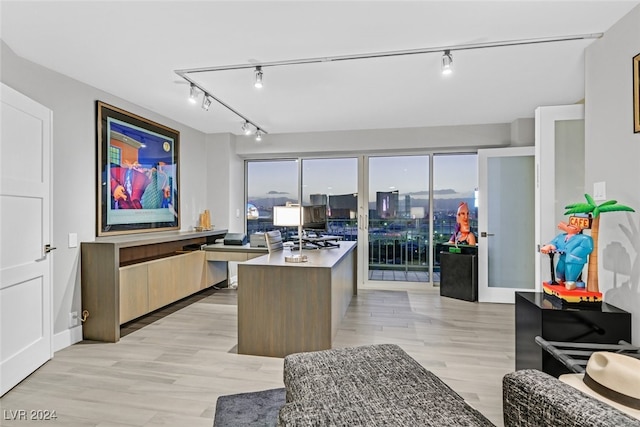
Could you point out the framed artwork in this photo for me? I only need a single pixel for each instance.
(636, 93)
(138, 173)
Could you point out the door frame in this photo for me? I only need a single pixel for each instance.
(363, 220)
(545, 160)
(487, 293)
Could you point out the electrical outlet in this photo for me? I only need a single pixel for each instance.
(73, 318)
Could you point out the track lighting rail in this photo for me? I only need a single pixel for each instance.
(447, 49)
(392, 53)
(221, 102)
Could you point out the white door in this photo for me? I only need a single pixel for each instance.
(25, 269)
(506, 245)
(560, 166)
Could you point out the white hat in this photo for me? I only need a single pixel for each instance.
(612, 378)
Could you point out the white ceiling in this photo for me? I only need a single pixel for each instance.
(131, 49)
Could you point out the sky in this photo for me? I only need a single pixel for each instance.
(407, 174)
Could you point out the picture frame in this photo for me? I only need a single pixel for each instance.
(636, 93)
(138, 173)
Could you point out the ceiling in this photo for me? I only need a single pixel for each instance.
(132, 49)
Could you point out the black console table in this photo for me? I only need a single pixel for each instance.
(538, 316)
(459, 274)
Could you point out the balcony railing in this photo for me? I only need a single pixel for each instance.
(399, 244)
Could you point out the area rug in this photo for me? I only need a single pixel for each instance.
(258, 408)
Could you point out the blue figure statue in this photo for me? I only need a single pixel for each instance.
(574, 248)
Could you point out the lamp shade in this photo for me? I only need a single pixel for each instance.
(286, 216)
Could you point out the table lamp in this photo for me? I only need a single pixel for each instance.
(290, 216)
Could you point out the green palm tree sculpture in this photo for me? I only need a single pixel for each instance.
(595, 210)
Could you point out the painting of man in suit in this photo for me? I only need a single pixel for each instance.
(138, 173)
(128, 184)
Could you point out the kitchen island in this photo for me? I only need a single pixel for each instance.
(286, 307)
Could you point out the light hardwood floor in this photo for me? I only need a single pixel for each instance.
(171, 371)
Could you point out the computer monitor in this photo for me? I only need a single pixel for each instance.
(314, 217)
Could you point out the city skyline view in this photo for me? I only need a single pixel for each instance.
(398, 227)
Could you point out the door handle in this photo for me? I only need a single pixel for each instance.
(485, 234)
(48, 248)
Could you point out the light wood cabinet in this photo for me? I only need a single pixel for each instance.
(134, 298)
(174, 278)
(194, 279)
(125, 277)
(163, 282)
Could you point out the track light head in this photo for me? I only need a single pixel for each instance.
(206, 102)
(447, 61)
(258, 82)
(193, 94)
(258, 135)
(246, 128)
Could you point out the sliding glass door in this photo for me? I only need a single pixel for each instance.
(455, 180)
(330, 182)
(399, 208)
(333, 183)
(269, 183)
(397, 218)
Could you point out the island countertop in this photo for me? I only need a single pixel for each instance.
(325, 257)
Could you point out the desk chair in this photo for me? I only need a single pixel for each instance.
(274, 240)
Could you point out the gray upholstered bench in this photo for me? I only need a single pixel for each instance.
(369, 385)
(532, 398)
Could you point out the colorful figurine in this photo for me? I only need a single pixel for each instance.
(462, 234)
(594, 210)
(574, 249)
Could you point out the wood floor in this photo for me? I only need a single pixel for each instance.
(171, 371)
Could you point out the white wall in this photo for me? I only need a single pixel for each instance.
(225, 183)
(445, 138)
(74, 171)
(612, 155)
(523, 132)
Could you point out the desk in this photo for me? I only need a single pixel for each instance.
(536, 316)
(218, 256)
(286, 308)
(222, 252)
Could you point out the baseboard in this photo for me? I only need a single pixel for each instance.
(67, 338)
